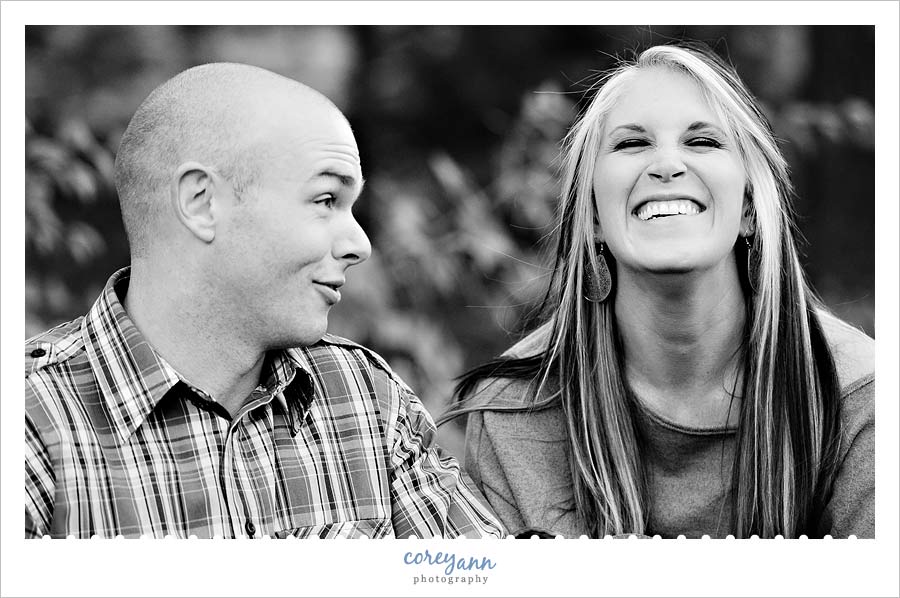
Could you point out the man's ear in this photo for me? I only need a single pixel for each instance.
(193, 200)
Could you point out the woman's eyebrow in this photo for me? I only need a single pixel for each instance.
(694, 126)
(700, 125)
(630, 127)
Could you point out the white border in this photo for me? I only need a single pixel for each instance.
(624, 567)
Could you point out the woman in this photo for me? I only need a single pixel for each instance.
(685, 379)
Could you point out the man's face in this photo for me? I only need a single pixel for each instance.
(285, 246)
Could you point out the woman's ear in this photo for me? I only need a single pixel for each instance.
(748, 214)
(598, 231)
(193, 199)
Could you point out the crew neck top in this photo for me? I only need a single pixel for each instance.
(519, 456)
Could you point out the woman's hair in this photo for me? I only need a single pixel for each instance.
(788, 432)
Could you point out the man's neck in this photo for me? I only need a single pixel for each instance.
(181, 325)
(681, 336)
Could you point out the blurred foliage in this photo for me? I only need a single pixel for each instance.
(459, 130)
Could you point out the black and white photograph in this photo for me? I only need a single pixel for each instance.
(564, 287)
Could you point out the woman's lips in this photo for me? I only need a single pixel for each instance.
(649, 210)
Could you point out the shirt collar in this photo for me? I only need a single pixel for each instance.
(284, 376)
(297, 390)
(134, 378)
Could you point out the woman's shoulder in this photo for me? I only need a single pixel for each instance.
(500, 393)
(854, 360)
(507, 393)
(534, 343)
(853, 352)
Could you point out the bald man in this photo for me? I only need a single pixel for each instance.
(201, 395)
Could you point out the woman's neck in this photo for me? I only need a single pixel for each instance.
(681, 334)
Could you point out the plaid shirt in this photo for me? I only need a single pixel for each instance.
(331, 444)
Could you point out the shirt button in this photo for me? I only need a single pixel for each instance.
(38, 353)
(250, 528)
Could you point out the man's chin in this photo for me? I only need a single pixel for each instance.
(300, 338)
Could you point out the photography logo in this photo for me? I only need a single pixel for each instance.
(447, 568)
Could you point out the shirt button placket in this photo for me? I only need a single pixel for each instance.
(230, 482)
(249, 527)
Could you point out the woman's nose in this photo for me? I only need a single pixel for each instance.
(666, 165)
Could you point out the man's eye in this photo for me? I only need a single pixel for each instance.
(326, 200)
(630, 143)
(704, 142)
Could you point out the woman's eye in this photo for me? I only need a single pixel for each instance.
(630, 143)
(704, 142)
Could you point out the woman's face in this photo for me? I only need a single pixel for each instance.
(668, 183)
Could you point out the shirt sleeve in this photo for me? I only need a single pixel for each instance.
(486, 470)
(851, 510)
(430, 495)
(39, 484)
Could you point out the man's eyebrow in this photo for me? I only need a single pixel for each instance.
(344, 179)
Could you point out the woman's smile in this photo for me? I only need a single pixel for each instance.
(663, 206)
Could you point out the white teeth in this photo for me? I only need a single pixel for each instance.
(667, 208)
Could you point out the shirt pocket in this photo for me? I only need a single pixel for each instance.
(369, 528)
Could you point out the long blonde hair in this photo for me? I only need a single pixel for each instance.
(788, 434)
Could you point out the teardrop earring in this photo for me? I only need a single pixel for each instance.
(598, 282)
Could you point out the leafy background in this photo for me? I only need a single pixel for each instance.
(459, 131)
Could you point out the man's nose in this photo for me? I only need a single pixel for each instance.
(667, 165)
(353, 246)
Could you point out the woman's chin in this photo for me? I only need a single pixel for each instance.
(668, 266)
(670, 262)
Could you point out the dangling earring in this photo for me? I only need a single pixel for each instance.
(748, 224)
(752, 271)
(598, 282)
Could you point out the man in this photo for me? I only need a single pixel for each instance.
(199, 395)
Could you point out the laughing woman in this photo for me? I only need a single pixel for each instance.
(685, 378)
